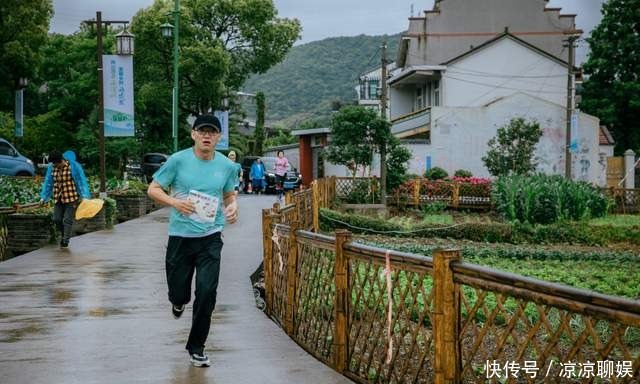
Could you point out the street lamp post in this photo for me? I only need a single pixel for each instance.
(125, 42)
(167, 31)
(22, 84)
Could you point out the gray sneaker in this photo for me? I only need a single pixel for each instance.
(199, 360)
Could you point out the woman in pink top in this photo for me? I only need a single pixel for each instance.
(281, 167)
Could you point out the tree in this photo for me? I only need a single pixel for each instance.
(397, 158)
(356, 133)
(24, 25)
(282, 137)
(259, 132)
(612, 89)
(511, 150)
(222, 42)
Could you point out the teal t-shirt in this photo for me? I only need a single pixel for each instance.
(184, 173)
(238, 168)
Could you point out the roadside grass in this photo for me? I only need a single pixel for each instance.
(617, 220)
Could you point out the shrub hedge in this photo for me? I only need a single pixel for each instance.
(513, 233)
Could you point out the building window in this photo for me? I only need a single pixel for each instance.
(436, 93)
(419, 99)
(373, 89)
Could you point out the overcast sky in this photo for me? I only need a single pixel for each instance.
(320, 19)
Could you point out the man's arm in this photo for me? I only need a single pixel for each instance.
(230, 206)
(158, 194)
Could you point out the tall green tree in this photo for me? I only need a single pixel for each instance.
(356, 134)
(222, 42)
(612, 88)
(23, 30)
(511, 150)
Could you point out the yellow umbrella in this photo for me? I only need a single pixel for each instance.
(89, 208)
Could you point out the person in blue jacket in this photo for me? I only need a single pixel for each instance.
(67, 184)
(257, 176)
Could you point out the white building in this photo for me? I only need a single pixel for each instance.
(467, 68)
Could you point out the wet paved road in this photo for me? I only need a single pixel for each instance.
(98, 313)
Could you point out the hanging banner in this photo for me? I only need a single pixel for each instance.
(573, 144)
(117, 76)
(223, 116)
(19, 131)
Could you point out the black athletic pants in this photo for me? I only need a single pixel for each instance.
(202, 255)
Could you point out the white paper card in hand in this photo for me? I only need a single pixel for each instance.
(206, 207)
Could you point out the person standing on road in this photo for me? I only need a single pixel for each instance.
(257, 176)
(281, 166)
(201, 181)
(66, 182)
(232, 156)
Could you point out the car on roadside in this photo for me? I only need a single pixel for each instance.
(151, 162)
(293, 179)
(12, 163)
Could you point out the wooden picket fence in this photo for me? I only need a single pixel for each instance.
(449, 321)
(624, 200)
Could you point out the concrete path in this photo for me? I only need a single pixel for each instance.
(98, 313)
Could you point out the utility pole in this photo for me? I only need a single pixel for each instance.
(99, 22)
(570, 89)
(383, 115)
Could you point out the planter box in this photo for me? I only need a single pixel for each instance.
(152, 205)
(130, 207)
(28, 232)
(96, 223)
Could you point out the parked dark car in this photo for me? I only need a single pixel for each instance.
(12, 163)
(151, 162)
(292, 181)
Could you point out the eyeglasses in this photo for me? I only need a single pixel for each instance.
(204, 132)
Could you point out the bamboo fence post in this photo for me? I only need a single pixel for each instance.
(446, 302)
(288, 198)
(416, 192)
(267, 260)
(455, 196)
(315, 206)
(292, 267)
(341, 302)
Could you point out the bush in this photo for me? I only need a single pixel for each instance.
(515, 233)
(462, 173)
(111, 212)
(18, 190)
(364, 192)
(434, 207)
(543, 199)
(436, 173)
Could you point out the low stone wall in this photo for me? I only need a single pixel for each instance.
(152, 205)
(96, 223)
(27, 232)
(3, 236)
(130, 207)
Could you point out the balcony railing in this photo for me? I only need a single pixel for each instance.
(411, 121)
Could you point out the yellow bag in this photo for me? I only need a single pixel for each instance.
(88, 208)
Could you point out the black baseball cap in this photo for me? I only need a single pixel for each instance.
(207, 121)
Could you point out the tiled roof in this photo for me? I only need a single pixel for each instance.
(605, 136)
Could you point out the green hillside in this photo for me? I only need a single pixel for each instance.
(315, 74)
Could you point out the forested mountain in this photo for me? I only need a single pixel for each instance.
(316, 74)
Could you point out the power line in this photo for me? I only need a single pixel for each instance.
(500, 86)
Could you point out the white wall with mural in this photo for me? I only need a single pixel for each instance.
(459, 138)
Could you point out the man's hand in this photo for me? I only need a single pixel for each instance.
(185, 207)
(231, 210)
